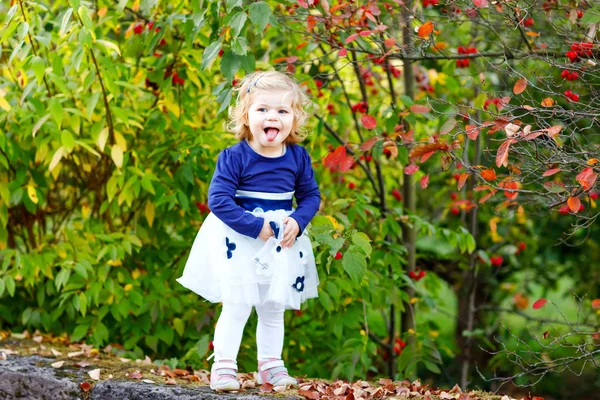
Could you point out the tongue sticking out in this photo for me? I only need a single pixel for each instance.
(271, 134)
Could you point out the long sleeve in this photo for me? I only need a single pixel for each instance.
(221, 197)
(307, 193)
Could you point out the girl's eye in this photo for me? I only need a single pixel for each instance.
(262, 109)
(283, 111)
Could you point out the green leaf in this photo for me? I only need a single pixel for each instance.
(65, 22)
(39, 124)
(62, 278)
(231, 4)
(432, 367)
(325, 301)
(79, 333)
(248, 62)
(363, 242)
(81, 270)
(178, 324)
(210, 53)
(260, 12)
(38, 65)
(91, 105)
(84, 14)
(591, 16)
(2, 286)
(355, 264)
(83, 303)
(230, 64)
(10, 285)
(152, 342)
(68, 141)
(237, 23)
(56, 110)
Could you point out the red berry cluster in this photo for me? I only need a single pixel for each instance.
(331, 109)
(138, 29)
(568, 75)
(574, 97)
(338, 255)
(203, 208)
(176, 79)
(360, 107)
(351, 185)
(464, 62)
(496, 261)
(429, 3)
(579, 50)
(399, 346)
(395, 71)
(416, 275)
(594, 196)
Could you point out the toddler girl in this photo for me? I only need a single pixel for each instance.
(252, 249)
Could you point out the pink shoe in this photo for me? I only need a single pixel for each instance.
(274, 372)
(223, 376)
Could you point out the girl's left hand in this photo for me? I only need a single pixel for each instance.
(292, 229)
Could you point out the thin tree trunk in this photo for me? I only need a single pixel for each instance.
(407, 317)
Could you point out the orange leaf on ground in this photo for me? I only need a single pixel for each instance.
(574, 203)
(551, 172)
(310, 395)
(520, 86)
(425, 29)
(488, 174)
(539, 304)
(368, 122)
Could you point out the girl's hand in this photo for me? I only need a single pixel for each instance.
(292, 229)
(266, 231)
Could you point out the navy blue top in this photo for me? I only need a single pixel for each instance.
(240, 168)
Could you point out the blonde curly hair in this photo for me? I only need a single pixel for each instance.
(268, 80)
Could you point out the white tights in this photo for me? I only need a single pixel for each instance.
(269, 331)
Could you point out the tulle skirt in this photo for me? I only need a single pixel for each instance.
(226, 266)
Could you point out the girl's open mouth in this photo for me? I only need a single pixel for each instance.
(271, 133)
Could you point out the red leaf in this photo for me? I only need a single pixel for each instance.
(424, 181)
(291, 59)
(462, 180)
(303, 3)
(551, 172)
(510, 189)
(502, 153)
(488, 174)
(266, 387)
(351, 38)
(85, 386)
(596, 303)
(307, 394)
(343, 51)
(346, 164)
(364, 33)
(486, 197)
(545, 334)
(574, 203)
(425, 29)
(411, 169)
(368, 122)
(587, 178)
(338, 160)
(368, 145)
(472, 131)
(480, 3)
(389, 42)
(539, 304)
(426, 156)
(419, 109)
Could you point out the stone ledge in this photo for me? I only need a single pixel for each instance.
(32, 378)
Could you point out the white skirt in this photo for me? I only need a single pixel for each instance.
(226, 266)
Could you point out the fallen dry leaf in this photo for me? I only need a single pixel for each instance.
(307, 394)
(75, 354)
(134, 375)
(58, 364)
(56, 352)
(266, 388)
(85, 386)
(147, 381)
(180, 372)
(124, 360)
(38, 339)
(171, 381)
(95, 374)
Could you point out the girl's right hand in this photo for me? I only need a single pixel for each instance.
(266, 231)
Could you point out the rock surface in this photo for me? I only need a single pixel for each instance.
(32, 378)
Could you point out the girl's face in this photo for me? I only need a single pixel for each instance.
(270, 119)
